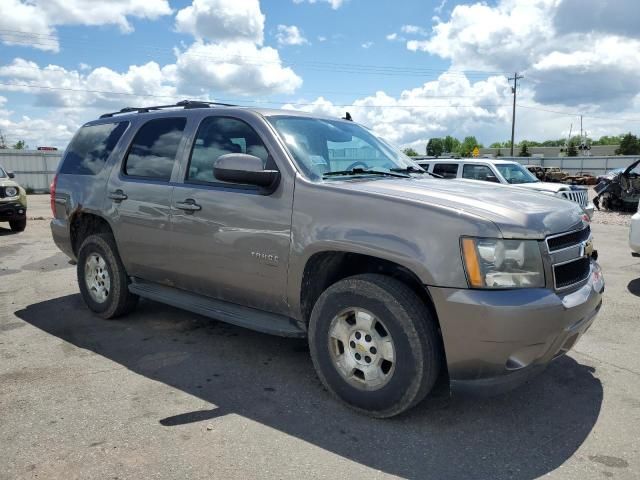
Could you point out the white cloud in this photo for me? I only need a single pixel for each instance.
(392, 36)
(413, 30)
(290, 35)
(33, 22)
(569, 55)
(222, 20)
(367, 45)
(335, 4)
(322, 38)
(239, 68)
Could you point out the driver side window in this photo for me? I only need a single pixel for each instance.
(357, 152)
(219, 136)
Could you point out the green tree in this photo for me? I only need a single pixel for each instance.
(524, 150)
(410, 152)
(608, 140)
(572, 151)
(629, 145)
(496, 145)
(499, 153)
(467, 146)
(435, 147)
(20, 145)
(450, 144)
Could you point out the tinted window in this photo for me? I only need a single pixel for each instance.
(219, 136)
(154, 148)
(2, 174)
(91, 147)
(447, 170)
(478, 172)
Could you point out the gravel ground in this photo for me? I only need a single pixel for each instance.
(606, 217)
(166, 394)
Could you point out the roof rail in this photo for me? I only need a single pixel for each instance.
(184, 104)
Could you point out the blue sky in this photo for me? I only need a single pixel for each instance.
(410, 70)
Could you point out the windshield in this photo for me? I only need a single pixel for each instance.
(321, 146)
(515, 173)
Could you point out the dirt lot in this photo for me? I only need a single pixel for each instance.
(167, 394)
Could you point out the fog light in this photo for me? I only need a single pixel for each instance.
(20, 211)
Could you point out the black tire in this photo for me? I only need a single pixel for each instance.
(414, 333)
(119, 300)
(18, 225)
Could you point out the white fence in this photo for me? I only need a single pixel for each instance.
(594, 165)
(34, 169)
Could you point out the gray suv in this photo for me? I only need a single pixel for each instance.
(301, 226)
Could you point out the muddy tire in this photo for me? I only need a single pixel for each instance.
(18, 225)
(374, 344)
(102, 278)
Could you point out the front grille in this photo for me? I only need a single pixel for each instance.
(571, 273)
(568, 239)
(579, 196)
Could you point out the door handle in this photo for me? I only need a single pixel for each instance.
(189, 205)
(118, 196)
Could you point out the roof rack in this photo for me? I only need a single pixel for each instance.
(184, 104)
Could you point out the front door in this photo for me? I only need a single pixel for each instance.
(231, 242)
(140, 195)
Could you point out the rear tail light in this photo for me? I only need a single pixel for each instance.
(52, 191)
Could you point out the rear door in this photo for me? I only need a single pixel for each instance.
(479, 171)
(139, 198)
(235, 245)
(446, 169)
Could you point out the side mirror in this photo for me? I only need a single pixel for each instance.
(247, 170)
(492, 178)
(11, 174)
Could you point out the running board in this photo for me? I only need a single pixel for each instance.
(246, 317)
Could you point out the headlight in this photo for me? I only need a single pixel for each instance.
(496, 263)
(11, 192)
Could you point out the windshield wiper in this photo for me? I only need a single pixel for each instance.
(366, 171)
(411, 169)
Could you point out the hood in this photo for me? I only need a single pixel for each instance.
(549, 187)
(517, 212)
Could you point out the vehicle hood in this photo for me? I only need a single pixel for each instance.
(548, 187)
(517, 212)
(7, 182)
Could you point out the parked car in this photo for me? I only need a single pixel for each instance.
(537, 170)
(634, 232)
(508, 173)
(13, 202)
(554, 174)
(580, 178)
(311, 227)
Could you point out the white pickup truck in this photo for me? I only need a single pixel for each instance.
(506, 172)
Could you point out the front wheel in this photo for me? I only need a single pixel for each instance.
(102, 278)
(18, 225)
(374, 344)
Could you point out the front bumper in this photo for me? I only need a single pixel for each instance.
(10, 211)
(634, 233)
(589, 209)
(497, 340)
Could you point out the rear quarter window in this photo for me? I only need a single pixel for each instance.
(91, 147)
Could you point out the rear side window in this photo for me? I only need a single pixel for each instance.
(478, 172)
(219, 136)
(154, 149)
(90, 148)
(447, 170)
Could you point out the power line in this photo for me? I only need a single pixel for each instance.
(267, 102)
(342, 67)
(577, 114)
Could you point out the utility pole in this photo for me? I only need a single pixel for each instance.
(514, 90)
(581, 130)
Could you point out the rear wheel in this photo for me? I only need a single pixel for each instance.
(374, 344)
(102, 277)
(18, 225)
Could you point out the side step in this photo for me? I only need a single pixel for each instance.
(246, 317)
